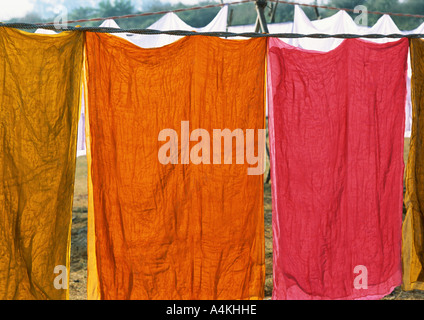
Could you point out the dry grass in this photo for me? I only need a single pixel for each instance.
(78, 281)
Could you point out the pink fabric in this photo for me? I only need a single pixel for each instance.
(336, 133)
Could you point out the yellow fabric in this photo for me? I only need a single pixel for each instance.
(183, 231)
(40, 77)
(92, 277)
(413, 225)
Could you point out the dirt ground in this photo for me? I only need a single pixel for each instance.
(78, 276)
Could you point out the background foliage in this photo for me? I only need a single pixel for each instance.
(239, 14)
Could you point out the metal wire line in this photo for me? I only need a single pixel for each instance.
(145, 14)
(212, 34)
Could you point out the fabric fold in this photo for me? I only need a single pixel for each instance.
(40, 79)
(177, 230)
(336, 136)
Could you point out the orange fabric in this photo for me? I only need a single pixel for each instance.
(175, 231)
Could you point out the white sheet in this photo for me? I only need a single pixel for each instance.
(171, 21)
(44, 31)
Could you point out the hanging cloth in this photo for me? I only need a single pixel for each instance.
(172, 231)
(336, 135)
(413, 225)
(40, 78)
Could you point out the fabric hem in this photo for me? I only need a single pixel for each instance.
(379, 291)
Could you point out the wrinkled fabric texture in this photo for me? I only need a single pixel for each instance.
(81, 149)
(175, 231)
(413, 225)
(40, 79)
(336, 135)
(342, 23)
(169, 21)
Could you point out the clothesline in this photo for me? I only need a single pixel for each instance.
(215, 34)
(335, 132)
(145, 14)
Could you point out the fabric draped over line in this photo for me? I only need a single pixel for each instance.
(81, 148)
(169, 21)
(175, 231)
(340, 23)
(336, 135)
(40, 91)
(413, 225)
